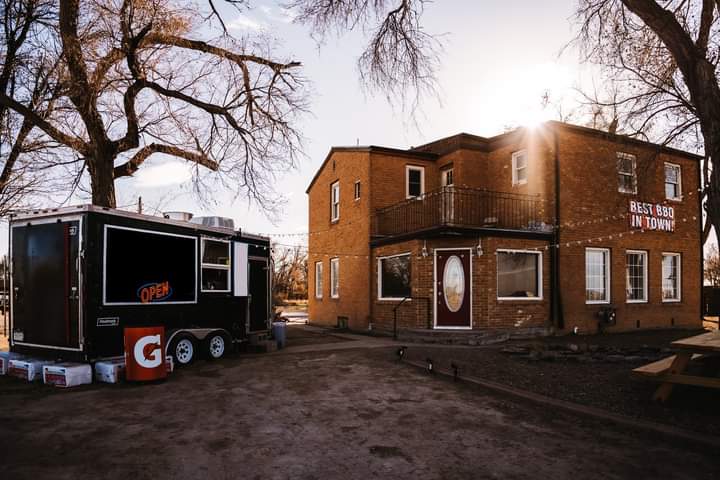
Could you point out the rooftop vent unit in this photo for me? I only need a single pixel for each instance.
(217, 222)
(181, 216)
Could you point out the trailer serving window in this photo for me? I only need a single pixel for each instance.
(215, 265)
(144, 267)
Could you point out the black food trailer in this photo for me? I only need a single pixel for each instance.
(79, 275)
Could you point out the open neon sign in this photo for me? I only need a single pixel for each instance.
(154, 292)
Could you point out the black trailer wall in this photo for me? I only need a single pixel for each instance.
(154, 272)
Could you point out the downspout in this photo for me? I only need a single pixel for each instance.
(556, 301)
(702, 245)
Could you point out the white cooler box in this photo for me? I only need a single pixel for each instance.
(67, 374)
(5, 358)
(110, 370)
(28, 369)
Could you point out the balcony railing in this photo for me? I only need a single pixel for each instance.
(461, 207)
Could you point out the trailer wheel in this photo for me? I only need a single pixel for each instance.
(183, 349)
(216, 345)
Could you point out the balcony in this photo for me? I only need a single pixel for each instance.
(462, 209)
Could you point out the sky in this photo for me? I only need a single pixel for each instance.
(499, 58)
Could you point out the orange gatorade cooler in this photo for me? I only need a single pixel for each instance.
(145, 354)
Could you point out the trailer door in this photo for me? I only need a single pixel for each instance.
(259, 294)
(46, 284)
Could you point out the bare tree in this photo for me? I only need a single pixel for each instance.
(133, 80)
(712, 266)
(401, 58)
(661, 60)
(26, 75)
(290, 273)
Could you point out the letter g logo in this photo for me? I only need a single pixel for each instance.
(144, 355)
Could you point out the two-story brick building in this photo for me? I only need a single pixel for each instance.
(533, 229)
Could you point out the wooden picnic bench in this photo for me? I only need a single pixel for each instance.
(671, 370)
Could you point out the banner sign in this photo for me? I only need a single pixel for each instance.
(651, 216)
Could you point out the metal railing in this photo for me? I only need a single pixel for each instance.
(461, 207)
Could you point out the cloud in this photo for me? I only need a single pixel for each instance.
(281, 14)
(243, 22)
(163, 175)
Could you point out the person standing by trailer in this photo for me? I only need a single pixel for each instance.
(80, 275)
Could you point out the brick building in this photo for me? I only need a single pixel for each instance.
(536, 229)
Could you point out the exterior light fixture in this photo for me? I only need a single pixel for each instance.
(479, 247)
(424, 249)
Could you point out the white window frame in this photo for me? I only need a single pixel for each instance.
(679, 180)
(539, 275)
(627, 156)
(319, 284)
(516, 169)
(678, 279)
(606, 252)
(215, 266)
(379, 276)
(645, 276)
(334, 275)
(335, 201)
(356, 190)
(416, 168)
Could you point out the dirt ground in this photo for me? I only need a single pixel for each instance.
(601, 379)
(353, 413)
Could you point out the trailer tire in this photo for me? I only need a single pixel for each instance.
(183, 349)
(216, 345)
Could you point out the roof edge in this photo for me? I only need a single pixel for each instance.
(370, 149)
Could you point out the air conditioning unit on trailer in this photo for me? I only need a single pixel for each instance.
(217, 222)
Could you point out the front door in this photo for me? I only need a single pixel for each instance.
(453, 294)
(45, 284)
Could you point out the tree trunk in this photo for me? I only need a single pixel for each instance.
(102, 181)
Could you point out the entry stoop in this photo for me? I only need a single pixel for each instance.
(469, 337)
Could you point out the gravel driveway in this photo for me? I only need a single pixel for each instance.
(323, 415)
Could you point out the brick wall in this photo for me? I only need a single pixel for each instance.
(347, 239)
(588, 179)
(487, 310)
(589, 192)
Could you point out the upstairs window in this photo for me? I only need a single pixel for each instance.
(414, 181)
(673, 184)
(215, 265)
(636, 276)
(335, 202)
(357, 190)
(519, 167)
(447, 177)
(318, 279)
(627, 176)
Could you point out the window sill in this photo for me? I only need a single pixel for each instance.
(636, 302)
(520, 299)
(597, 302)
(627, 193)
(675, 200)
(388, 299)
(672, 302)
(519, 184)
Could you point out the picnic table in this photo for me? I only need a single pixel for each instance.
(670, 371)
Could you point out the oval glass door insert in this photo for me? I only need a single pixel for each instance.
(454, 283)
